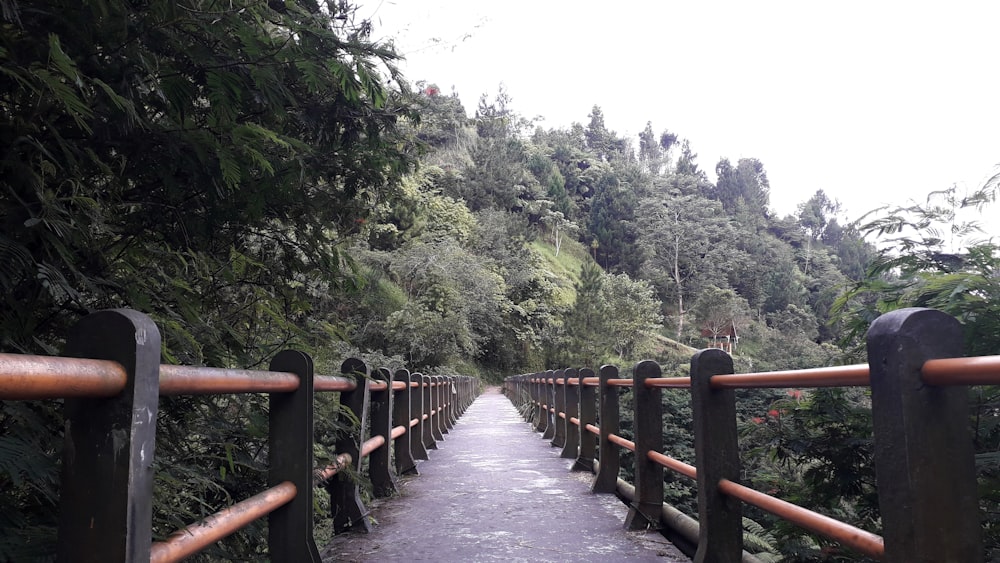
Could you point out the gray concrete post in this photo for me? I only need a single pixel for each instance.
(924, 459)
(571, 398)
(107, 477)
(606, 480)
(645, 510)
(720, 538)
(588, 415)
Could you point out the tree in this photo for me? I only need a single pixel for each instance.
(559, 227)
(686, 165)
(585, 324)
(813, 216)
(204, 163)
(612, 219)
(497, 176)
(743, 188)
(632, 313)
(689, 242)
(655, 154)
(717, 310)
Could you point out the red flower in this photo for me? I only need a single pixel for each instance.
(758, 420)
(795, 394)
(773, 413)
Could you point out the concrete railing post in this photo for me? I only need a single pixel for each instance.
(538, 394)
(417, 410)
(401, 408)
(437, 428)
(588, 415)
(379, 469)
(452, 393)
(559, 390)
(428, 426)
(346, 507)
(571, 399)
(290, 458)
(720, 537)
(606, 480)
(107, 476)
(549, 394)
(924, 459)
(645, 510)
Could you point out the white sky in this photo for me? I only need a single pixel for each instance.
(872, 102)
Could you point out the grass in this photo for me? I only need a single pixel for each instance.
(563, 270)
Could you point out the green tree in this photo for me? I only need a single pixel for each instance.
(689, 242)
(814, 218)
(497, 176)
(632, 314)
(585, 323)
(743, 187)
(717, 310)
(207, 164)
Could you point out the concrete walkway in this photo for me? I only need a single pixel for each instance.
(496, 491)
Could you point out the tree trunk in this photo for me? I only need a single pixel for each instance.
(680, 288)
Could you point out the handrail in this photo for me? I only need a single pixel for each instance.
(918, 402)
(25, 377)
(865, 542)
(115, 382)
(195, 380)
(326, 383)
(668, 382)
(196, 537)
(670, 463)
(837, 376)
(962, 371)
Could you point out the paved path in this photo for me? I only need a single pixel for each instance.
(496, 491)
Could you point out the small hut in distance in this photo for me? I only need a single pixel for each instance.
(722, 337)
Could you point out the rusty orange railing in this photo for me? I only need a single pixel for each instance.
(918, 399)
(112, 385)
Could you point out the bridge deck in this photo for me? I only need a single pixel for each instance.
(496, 491)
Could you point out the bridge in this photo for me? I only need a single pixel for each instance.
(493, 485)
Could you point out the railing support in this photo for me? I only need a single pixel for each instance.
(346, 507)
(437, 428)
(606, 480)
(538, 395)
(588, 415)
(713, 412)
(571, 403)
(379, 470)
(549, 398)
(402, 407)
(417, 410)
(290, 458)
(107, 478)
(644, 512)
(427, 434)
(559, 392)
(924, 460)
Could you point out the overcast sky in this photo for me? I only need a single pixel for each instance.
(872, 102)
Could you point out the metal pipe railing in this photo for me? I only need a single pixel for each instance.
(24, 377)
(194, 380)
(924, 457)
(196, 537)
(112, 385)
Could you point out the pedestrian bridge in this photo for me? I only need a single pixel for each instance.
(530, 474)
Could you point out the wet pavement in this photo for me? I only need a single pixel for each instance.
(496, 491)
